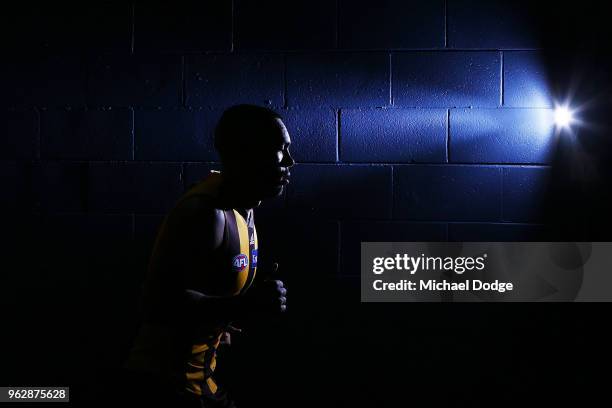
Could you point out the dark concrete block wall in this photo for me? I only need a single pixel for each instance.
(410, 121)
(371, 93)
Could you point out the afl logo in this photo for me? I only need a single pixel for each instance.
(240, 262)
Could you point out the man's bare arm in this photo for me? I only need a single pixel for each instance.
(197, 228)
(201, 229)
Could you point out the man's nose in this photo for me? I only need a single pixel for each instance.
(288, 161)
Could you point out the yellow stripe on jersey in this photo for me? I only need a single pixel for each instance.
(199, 348)
(195, 367)
(197, 375)
(211, 385)
(243, 232)
(194, 388)
(256, 247)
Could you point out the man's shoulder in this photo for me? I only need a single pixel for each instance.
(195, 202)
(199, 206)
(198, 220)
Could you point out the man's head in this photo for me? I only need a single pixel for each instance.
(253, 144)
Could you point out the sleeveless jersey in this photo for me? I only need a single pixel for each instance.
(184, 352)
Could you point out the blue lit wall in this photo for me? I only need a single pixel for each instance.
(430, 120)
(410, 120)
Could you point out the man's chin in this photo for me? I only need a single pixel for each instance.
(273, 191)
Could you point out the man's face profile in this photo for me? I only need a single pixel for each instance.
(263, 163)
(271, 161)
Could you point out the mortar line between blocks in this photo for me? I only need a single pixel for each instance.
(183, 82)
(233, 26)
(133, 134)
(133, 24)
(448, 135)
(392, 193)
(391, 79)
(339, 271)
(501, 171)
(445, 23)
(338, 129)
(501, 78)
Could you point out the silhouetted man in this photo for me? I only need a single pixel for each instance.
(202, 270)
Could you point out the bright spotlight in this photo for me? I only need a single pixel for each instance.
(563, 116)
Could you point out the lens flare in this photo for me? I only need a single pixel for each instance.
(563, 116)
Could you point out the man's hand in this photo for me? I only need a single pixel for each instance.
(226, 338)
(265, 296)
(269, 295)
